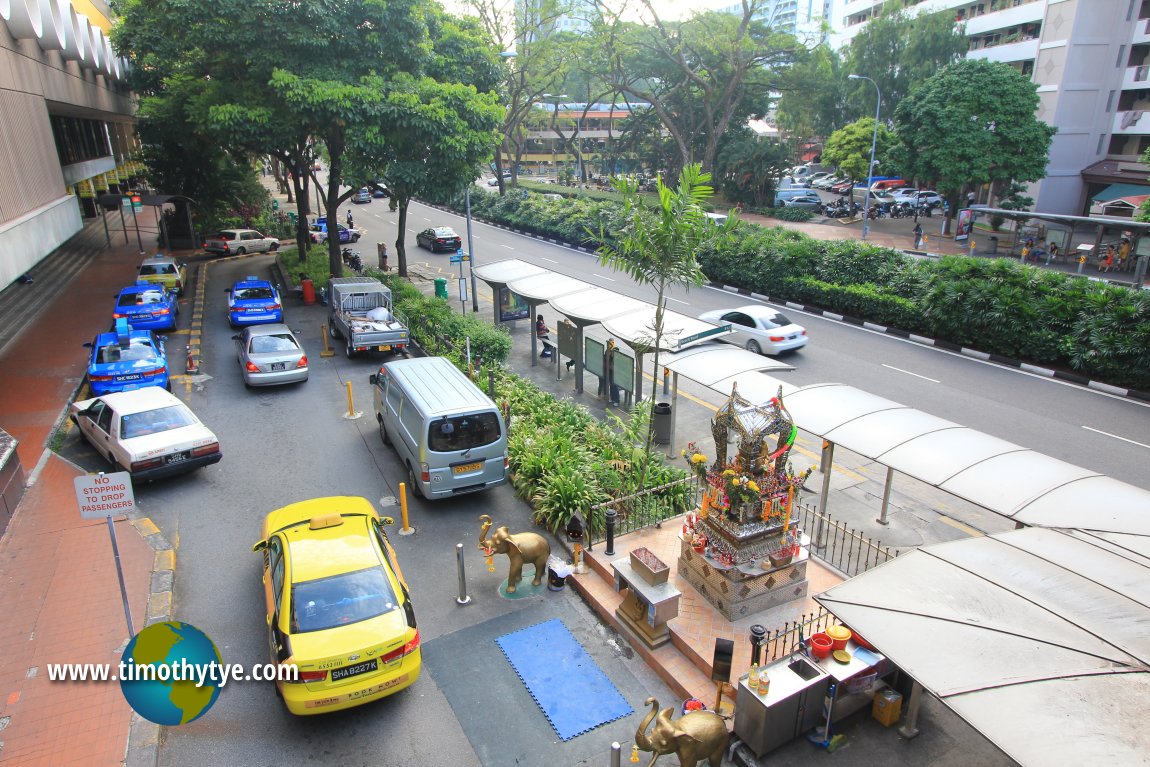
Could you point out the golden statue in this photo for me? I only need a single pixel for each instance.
(519, 548)
(693, 737)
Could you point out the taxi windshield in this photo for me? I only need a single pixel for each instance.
(254, 294)
(155, 421)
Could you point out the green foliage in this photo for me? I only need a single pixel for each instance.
(848, 148)
(813, 91)
(791, 214)
(972, 123)
(746, 167)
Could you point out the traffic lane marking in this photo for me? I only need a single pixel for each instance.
(916, 375)
(1115, 436)
(972, 532)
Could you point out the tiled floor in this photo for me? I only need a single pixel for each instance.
(685, 664)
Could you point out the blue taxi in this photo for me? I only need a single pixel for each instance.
(126, 359)
(147, 306)
(253, 301)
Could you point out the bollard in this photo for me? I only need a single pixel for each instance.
(327, 352)
(610, 516)
(350, 402)
(462, 598)
(1081, 263)
(666, 382)
(406, 529)
(616, 754)
(758, 635)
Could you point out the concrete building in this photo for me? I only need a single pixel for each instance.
(1091, 62)
(802, 18)
(66, 124)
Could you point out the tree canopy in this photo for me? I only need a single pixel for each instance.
(972, 123)
(848, 148)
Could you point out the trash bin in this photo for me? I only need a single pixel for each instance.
(307, 287)
(441, 287)
(661, 417)
(993, 245)
(557, 572)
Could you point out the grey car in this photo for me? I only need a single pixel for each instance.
(270, 355)
(809, 201)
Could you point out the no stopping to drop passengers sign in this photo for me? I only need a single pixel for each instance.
(105, 495)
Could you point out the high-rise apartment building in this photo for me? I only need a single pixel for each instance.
(1091, 62)
(802, 18)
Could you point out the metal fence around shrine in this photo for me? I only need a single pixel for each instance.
(840, 546)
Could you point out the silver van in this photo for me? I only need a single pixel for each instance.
(448, 434)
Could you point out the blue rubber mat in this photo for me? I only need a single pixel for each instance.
(571, 690)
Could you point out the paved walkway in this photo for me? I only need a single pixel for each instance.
(58, 588)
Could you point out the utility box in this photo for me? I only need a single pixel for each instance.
(887, 707)
(440, 287)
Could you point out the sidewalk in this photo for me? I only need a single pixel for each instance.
(58, 588)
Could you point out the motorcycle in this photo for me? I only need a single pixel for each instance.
(352, 259)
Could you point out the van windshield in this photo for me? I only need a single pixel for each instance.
(463, 432)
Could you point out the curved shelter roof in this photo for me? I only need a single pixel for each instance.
(1037, 637)
(547, 286)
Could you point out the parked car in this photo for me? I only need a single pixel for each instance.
(270, 355)
(438, 238)
(253, 301)
(906, 194)
(782, 195)
(125, 359)
(147, 306)
(810, 201)
(759, 328)
(363, 195)
(887, 185)
(816, 177)
(165, 271)
(338, 607)
(843, 187)
(827, 182)
(379, 189)
(237, 242)
(147, 432)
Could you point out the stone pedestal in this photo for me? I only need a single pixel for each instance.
(647, 607)
(741, 590)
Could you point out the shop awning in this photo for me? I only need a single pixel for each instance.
(1039, 638)
(1118, 191)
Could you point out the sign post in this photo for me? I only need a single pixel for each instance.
(459, 257)
(103, 495)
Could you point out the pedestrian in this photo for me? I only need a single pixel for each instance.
(381, 251)
(350, 223)
(543, 334)
(1051, 253)
(1026, 246)
(970, 197)
(917, 236)
(1107, 262)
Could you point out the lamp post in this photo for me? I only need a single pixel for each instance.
(873, 142)
(471, 254)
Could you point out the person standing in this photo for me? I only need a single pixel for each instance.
(381, 252)
(350, 222)
(917, 236)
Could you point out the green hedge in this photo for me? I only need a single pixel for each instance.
(995, 305)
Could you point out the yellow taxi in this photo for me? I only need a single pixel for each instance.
(163, 271)
(337, 605)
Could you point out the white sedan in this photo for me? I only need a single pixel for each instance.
(759, 328)
(148, 432)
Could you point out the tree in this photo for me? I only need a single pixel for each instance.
(657, 247)
(700, 75)
(813, 100)
(899, 52)
(747, 167)
(972, 123)
(848, 148)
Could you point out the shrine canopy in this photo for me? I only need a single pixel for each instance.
(1008, 479)
(1037, 637)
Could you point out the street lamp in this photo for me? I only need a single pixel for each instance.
(873, 142)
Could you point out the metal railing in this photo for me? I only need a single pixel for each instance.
(784, 640)
(842, 547)
(647, 508)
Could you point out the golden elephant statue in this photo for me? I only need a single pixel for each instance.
(519, 548)
(693, 737)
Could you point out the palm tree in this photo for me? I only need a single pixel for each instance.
(657, 246)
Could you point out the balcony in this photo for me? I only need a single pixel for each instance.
(1007, 53)
(1131, 122)
(1027, 13)
(1136, 78)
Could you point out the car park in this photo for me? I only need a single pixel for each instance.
(124, 359)
(338, 607)
(165, 271)
(270, 355)
(237, 242)
(147, 306)
(438, 238)
(253, 301)
(361, 196)
(759, 328)
(810, 201)
(147, 432)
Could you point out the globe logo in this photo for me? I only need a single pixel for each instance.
(170, 673)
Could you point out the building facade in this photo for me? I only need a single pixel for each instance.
(1090, 60)
(802, 18)
(66, 124)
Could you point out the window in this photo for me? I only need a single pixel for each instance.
(1121, 57)
(276, 568)
(463, 432)
(154, 421)
(281, 342)
(342, 599)
(738, 318)
(101, 415)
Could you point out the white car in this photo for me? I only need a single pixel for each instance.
(148, 432)
(759, 328)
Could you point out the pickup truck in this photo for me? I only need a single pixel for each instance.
(237, 242)
(362, 315)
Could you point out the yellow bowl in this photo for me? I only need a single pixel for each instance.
(842, 656)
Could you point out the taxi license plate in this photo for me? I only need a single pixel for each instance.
(356, 670)
(467, 467)
(384, 348)
(176, 457)
(278, 366)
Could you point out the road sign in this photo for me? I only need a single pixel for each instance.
(461, 259)
(105, 495)
(137, 204)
